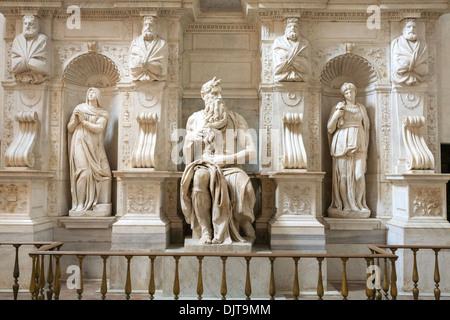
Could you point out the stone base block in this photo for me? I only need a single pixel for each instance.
(87, 222)
(191, 245)
(297, 233)
(348, 214)
(351, 236)
(99, 210)
(149, 235)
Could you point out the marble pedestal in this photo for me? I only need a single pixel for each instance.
(23, 205)
(142, 224)
(419, 218)
(296, 226)
(23, 218)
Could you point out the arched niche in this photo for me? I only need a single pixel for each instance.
(357, 70)
(93, 70)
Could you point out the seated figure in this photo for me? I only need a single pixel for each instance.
(217, 197)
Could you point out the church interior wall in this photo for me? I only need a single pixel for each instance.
(443, 30)
(235, 57)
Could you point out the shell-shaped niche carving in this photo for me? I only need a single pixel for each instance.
(92, 70)
(348, 68)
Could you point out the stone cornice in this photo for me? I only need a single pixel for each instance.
(321, 10)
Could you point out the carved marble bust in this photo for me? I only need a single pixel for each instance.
(217, 197)
(30, 53)
(149, 54)
(291, 54)
(409, 56)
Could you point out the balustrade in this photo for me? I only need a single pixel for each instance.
(415, 268)
(46, 270)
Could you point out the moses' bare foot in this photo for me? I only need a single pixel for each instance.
(205, 239)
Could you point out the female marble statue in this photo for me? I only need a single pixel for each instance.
(90, 174)
(348, 131)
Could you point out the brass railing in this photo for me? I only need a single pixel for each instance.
(47, 285)
(39, 279)
(415, 273)
(16, 269)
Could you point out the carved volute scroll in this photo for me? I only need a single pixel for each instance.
(20, 152)
(419, 155)
(144, 149)
(294, 150)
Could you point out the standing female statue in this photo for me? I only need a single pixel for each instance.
(348, 132)
(90, 174)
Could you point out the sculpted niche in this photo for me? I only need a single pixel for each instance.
(409, 56)
(30, 53)
(149, 54)
(291, 54)
(90, 174)
(348, 133)
(217, 197)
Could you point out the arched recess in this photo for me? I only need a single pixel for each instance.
(359, 71)
(94, 70)
(348, 68)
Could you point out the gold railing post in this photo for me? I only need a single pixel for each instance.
(81, 288)
(200, 278)
(176, 281)
(57, 285)
(320, 281)
(344, 279)
(128, 278)
(151, 285)
(42, 279)
(385, 280)
(38, 273)
(248, 284)
(296, 287)
(50, 278)
(223, 287)
(369, 290)
(104, 285)
(437, 277)
(33, 277)
(393, 276)
(272, 288)
(415, 275)
(378, 295)
(16, 272)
